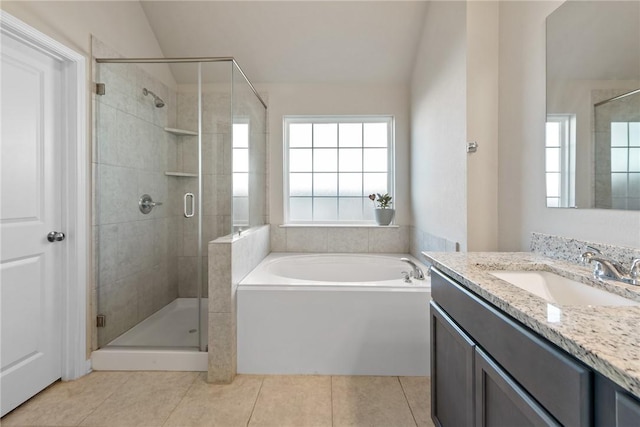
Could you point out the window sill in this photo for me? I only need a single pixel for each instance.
(336, 225)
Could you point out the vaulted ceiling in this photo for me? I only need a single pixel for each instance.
(294, 41)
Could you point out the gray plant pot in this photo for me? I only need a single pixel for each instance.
(384, 216)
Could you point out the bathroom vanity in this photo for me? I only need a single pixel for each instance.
(501, 355)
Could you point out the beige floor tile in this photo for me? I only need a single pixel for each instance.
(418, 393)
(225, 405)
(370, 401)
(293, 401)
(67, 403)
(145, 399)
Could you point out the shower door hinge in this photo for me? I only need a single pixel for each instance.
(100, 89)
(101, 320)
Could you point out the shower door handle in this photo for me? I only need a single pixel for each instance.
(186, 207)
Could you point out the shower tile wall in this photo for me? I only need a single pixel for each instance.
(216, 168)
(136, 265)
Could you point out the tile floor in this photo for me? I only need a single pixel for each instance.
(185, 399)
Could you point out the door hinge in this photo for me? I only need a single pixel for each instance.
(101, 320)
(100, 89)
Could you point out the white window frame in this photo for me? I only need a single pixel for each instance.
(567, 159)
(319, 119)
(239, 223)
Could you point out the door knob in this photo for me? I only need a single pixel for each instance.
(55, 236)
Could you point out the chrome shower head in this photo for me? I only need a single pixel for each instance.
(157, 100)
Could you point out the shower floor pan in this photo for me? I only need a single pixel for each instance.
(165, 341)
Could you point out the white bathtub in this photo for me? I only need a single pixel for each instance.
(333, 314)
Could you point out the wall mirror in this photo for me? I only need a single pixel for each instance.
(592, 143)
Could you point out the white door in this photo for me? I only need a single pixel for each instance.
(30, 207)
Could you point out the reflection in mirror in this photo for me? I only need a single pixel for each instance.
(593, 105)
(617, 152)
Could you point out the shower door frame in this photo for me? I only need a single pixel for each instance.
(202, 341)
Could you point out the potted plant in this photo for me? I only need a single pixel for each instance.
(384, 213)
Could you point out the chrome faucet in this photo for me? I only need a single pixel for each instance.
(607, 268)
(417, 272)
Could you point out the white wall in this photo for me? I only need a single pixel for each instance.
(120, 24)
(521, 133)
(482, 125)
(438, 125)
(332, 99)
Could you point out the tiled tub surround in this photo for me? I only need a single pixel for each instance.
(230, 259)
(421, 241)
(604, 338)
(340, 239)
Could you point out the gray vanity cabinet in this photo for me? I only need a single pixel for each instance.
(614, 406)
(517, 377)
(452, 361)
(500, 401)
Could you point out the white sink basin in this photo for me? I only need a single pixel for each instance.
(560, 290)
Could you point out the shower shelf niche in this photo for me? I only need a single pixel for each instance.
(181, 132)
(182, 174)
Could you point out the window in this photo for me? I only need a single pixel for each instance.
(560, 160)
(240, 142)
(625, 165)
(332, 164)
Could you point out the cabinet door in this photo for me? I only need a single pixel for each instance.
(451, 372)
(500, 401)
(627, 410)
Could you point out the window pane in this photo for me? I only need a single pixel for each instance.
(619, 135)
(325, 209)
(350, 134)
(300, 209)
(619, 159)
(241, 184)
(240, 135)
(619, 184)
(300, 160)
(350, 184)
(553, 159)
(350, 208)
(619, 203)
(325, 135)
(634, 159)
(375, 183)
(553, 185)
(240, 210)
(300, 184)
(240, 160)
(375, 134)
(325, 160)
(634, 134)
(375, 160)
(300, 135)
(634, 185)
(350, 160)
(553, 202)
(553, 134)
(325, 184)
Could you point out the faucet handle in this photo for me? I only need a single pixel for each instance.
(592, 249)
(634, 271)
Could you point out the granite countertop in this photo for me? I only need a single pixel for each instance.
(605, 338)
